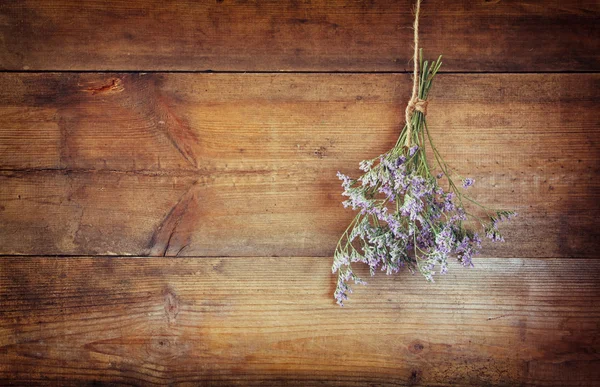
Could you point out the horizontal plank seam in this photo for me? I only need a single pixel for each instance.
(124, 256)
(583, 72)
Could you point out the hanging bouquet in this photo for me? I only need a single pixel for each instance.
(405, 218)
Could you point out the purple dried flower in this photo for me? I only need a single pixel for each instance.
(366, 165)
(388, 191)
(444, 268)
(448, 203)
(468, 182)
(400, 160)
(491, 232)
(346, 181)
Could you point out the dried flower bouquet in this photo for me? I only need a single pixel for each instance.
(405, 218)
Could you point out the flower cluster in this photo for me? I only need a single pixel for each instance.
(405, 218)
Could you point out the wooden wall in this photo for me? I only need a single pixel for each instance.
(169, 206)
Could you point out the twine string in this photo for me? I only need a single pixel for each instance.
(414, 104)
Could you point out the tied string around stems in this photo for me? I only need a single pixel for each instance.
(415, 103)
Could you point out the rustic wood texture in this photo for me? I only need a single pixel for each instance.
(274, 35)
(228, 321)
(243, 165)
(115, 140)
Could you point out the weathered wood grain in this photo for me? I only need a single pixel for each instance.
(366, 35)
(273, 320)
(228, 164)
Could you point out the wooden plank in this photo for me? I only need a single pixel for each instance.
(273, 320)
(374, 35)
(167, 164)
(222, 122)
(241, 215)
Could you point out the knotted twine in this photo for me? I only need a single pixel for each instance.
(415, 103)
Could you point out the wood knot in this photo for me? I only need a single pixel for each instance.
(115, 85)
(416, 347)
(171, 302)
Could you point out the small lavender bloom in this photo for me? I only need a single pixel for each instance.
(448, 204)
(357, 280)
(468, 182)
(444, 241)
(418, 186)
(412, 207)
(340, 293)
(466, 250)
(413, 150)
(425, 240)
(401, 182)
(444, 269)
(460, 215)
(339, 260)
(342, 288)
(429, 276)
(400, 160)
(380, 212)
(366, 165)
(368, 179)
(388, 164)
(495, 222)
(493, 234)
(477, 240)
(387, 191)
(495, 237)
(346, 181)
(440, 175)
(396, 228)
(464, 244)
(358, 200)
(506, 215)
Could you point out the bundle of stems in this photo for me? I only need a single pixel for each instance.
(405, 218)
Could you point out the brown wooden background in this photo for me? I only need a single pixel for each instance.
(169, 206)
